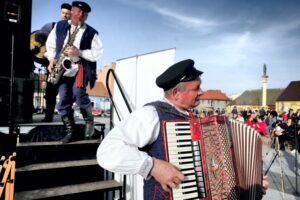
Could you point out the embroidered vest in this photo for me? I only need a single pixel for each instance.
(90, 69)
(153, 189)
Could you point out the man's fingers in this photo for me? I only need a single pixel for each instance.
(177, 180)
(166, 188)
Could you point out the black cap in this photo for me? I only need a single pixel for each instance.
(66, 6)
(179, 72)
(82, 5)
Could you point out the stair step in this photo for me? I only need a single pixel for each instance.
(55, 132)
(56, 143)
(56, 165)
(43, 175)
(70, 191)
(45, 152)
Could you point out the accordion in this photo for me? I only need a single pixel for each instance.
(219, 157)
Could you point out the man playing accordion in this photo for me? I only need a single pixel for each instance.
(136, 145)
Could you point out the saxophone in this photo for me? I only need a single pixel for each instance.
(63, 61)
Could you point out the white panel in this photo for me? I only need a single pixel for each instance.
(150, 66)
(137, 77)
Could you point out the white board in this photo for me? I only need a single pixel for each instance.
(137, 77)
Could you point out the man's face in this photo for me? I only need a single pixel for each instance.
(65, 14)
(189, 96)
(78, 15)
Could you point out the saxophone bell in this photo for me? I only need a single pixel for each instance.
(67, 63)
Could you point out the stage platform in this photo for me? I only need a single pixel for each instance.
(38, 131)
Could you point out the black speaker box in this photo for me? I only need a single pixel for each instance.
(15, 23)
(22, 100)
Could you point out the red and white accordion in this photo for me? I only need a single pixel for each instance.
(220, 158)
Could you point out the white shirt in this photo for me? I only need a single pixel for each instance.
(119, 152)
(92, 54)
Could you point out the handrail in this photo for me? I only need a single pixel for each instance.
(8, 179)
(114, 106)
(110, 94)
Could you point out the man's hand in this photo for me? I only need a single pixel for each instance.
(72, 51)
(168, 175)
(265, 184)
(51, 65)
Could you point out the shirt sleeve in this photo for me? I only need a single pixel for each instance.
(51, 44)
(96, 51)
(119, 152)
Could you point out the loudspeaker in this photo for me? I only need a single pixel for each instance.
(15, 23)
(22, 104)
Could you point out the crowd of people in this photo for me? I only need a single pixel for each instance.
(269, 123)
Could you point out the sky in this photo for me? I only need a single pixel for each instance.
(229, 40)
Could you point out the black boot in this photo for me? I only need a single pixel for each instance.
(70, 125)
(88, 117)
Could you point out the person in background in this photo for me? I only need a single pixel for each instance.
(86, 49)
(234, 112)
(240, 118)
(136, 144)
(41, 37)
(261, 125)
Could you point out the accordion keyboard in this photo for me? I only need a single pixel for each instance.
(186, 155)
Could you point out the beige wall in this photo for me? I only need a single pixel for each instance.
(285, 105)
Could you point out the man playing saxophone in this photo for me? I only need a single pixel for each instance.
(80, 47)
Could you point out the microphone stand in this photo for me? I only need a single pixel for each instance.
(277, 149)
(13, 127)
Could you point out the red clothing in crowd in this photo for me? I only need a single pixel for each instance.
(261, 127)
(250, 121)
(284, 117)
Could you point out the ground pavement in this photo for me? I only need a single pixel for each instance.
(282, 173)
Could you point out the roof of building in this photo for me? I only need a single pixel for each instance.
(98, 91)
(291, 93)
(254, 97)
(214, 95)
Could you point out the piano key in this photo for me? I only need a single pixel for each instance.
(177, 124)
(183, 160)
(188, 184)
(185, 172)
(185, 196)
(190, 177)
(181, 156)
(175, 144)
(178, 157)
(187, 166)
(180, 190)
(186, 169)
(184, 149)
(182, 137)
(174, 132)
